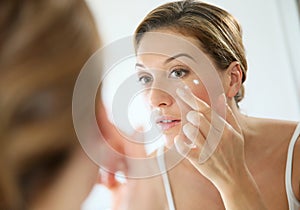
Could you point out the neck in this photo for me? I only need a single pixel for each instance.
(244, 121)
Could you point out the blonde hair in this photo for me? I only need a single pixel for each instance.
(43, 46)
(218, 32)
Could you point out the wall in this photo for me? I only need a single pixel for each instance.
(271, 37)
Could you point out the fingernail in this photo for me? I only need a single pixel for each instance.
(187, 128)
(193, 117)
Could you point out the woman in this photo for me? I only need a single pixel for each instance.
(247, 165)
(44, 45)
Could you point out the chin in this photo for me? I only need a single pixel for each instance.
(169, 139)
(170, 134)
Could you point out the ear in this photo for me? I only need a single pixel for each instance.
(235, 75)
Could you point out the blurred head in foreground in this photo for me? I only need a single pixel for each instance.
(43, 46)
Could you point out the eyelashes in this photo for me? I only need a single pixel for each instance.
(146, 79)
(178, 73)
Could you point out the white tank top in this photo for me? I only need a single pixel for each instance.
(167, 186)
(294, 204)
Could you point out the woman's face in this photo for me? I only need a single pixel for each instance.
(161, 75)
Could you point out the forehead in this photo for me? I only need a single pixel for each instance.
(167, 42)
(167, 46)
(156, 50)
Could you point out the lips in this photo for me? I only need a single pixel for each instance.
(165, 123)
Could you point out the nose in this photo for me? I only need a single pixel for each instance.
(159, 98)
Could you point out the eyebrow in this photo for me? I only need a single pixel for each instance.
(139, 65)
(169, 59)
(177, 56)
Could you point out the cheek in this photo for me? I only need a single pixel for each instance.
(200, 91)
(145, 96)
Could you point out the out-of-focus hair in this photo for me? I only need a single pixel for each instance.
(43, 46)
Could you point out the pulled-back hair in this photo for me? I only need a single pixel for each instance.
(218, 32)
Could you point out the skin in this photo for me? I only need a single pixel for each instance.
(247, 169)
(124, 195)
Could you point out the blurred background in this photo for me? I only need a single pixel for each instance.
(272, 40)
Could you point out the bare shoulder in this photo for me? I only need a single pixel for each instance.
(276, 129)
(271, 134)
(280, 132)
(278, 135)
(288, 130)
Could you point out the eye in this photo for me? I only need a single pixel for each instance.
(145, 79)
(178, 73)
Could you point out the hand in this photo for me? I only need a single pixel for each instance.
(220, 139)
(126, 146)
(123, 193)
(217, 151)
(130, 193)
(128, 149)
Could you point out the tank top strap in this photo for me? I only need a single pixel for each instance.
(165, 178)
(294, 204)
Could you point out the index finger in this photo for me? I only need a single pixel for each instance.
(194, 102)
(223, 110)
(216, 120)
